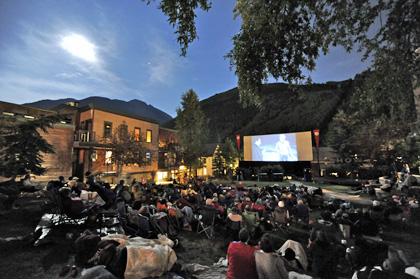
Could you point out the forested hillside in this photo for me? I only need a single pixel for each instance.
(284, 110)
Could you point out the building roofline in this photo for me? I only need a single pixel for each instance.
(118, 112)
(57, 107)
(29, 107)
(167, 129)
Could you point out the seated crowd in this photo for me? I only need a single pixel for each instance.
(251, 216)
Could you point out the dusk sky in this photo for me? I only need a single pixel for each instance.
(123, 50)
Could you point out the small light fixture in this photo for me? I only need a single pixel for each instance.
(29, 117)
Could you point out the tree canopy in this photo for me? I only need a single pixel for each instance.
(22, 147)
(281, 38)
(128, 148)
(181, 15)
(192, 128)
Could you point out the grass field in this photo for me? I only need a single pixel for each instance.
(287, 183)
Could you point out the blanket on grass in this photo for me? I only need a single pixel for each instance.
(299, 252)
(146, 257)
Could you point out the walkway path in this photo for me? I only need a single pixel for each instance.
(355, 199)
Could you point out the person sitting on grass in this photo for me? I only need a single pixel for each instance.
(241, 259)
(29, 185)
(328, 226)
(215, 203)
(302, 212)
(269, 264)
(323, 255)
(105, 193)
(391, 268)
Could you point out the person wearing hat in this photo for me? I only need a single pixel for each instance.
(346, 225)
(328, 226)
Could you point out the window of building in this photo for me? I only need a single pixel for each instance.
(137, 134)
(108, 157)
(148, 158)
(149, 136)
(123, 131)
(124, 128)
(107, 129)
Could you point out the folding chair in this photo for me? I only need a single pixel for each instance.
(345, 230)
(282, 221)
(173, 212)
(60, 216)
(233, 227)
(260, 209)
(144, 227)
(122, 214)
(160, 222)
(206, 221)
(122, 211)
(109, 213)
(252, 222)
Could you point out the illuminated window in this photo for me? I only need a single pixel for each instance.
(108, 157)
(148, 158)
(107, 129)
(162, 175)
(149, 136)
(137, 134)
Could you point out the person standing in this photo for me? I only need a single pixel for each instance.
(241, 259)
(284, 150)
(257, 151)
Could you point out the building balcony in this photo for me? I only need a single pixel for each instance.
(84, 136)
(162, 164)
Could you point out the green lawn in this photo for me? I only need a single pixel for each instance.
(286, 183)
(252, 183)
(335, 188)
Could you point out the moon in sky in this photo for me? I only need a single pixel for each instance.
(80, 47)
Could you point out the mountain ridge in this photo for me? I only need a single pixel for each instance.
(284, 109)
(133, 106)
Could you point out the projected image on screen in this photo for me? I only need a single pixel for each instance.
(280, 147)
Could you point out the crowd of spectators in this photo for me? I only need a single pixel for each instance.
(332, 240)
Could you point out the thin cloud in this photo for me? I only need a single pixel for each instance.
(69, 76)
(163, 64)
(25, 67)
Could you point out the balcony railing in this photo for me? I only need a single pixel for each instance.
(84, 136)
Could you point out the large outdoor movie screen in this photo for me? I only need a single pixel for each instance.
(291, 147)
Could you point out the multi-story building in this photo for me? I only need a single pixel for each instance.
(61, 137)
(95, 125)
(169, 159)
(82, 146)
